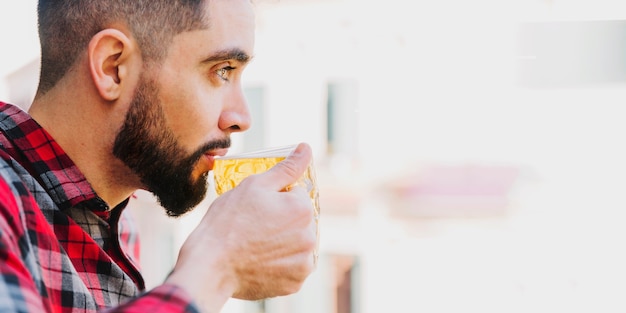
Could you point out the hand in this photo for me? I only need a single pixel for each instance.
(255, 241)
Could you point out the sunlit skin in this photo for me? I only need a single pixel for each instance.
(225, 68)
(202, 85)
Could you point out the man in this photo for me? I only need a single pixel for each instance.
(138, 94)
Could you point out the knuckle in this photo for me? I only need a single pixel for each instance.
(290, 167)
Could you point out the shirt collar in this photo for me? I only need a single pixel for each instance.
(35, 149)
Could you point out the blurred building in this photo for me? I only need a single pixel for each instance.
(466, 153)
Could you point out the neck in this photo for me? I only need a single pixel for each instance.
(86, 131)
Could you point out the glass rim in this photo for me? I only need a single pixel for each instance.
(273, 152)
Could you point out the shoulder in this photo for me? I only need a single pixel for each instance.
(13, 191)
(16, 189)
(14, 199)
(8, 190)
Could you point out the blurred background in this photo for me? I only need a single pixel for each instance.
(469, 154)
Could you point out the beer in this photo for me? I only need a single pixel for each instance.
(229, 172)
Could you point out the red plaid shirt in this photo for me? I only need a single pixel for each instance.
(62, 249)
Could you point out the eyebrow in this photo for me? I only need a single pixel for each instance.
(228, 54)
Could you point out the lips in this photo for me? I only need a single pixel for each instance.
(210, 156)
(219, 152)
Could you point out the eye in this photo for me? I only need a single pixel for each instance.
(224, 72)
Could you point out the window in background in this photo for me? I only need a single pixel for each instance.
(341, 111)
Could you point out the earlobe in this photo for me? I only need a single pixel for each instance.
(108, 53)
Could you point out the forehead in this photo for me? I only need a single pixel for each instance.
(231, 27)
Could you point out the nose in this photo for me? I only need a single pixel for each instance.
(236, 115)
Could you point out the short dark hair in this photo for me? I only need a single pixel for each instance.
(67, 26)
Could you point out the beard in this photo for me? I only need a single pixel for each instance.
(149, 148)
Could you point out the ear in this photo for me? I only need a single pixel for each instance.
(109, 53)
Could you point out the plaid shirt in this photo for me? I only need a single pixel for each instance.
(61, 248)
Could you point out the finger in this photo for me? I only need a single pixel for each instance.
(289, 170)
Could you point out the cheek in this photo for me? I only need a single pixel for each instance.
(191, 106)
(192, 116)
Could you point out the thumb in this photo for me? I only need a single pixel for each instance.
(289, 170)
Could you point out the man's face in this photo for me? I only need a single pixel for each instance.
(149, 147)
(182, 114)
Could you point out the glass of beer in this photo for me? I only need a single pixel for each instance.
(229, 171)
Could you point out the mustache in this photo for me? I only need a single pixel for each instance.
(223, 143)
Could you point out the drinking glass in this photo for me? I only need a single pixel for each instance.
(229, 171)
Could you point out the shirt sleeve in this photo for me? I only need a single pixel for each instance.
(18, 292)
(162, 299)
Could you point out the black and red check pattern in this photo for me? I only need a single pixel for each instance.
(62, 249)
